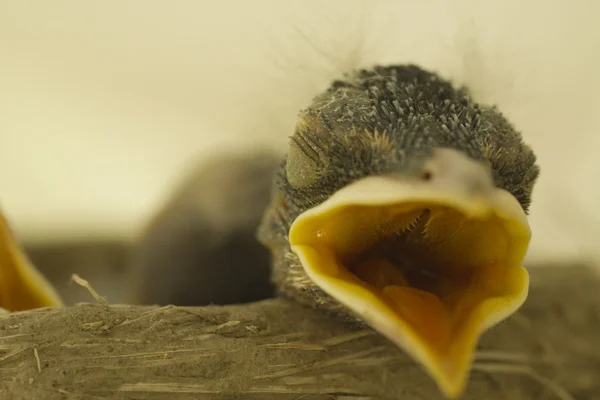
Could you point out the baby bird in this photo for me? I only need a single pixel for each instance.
(22, 285)
(200, 248)
(402, 205)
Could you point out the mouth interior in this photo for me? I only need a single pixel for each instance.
(430, 264)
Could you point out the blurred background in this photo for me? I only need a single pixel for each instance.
(105, 105)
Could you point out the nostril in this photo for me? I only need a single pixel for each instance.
(427, 175)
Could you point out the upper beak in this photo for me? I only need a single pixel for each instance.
(22, 286)
(430, 265)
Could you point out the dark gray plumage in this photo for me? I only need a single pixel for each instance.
(383, 121)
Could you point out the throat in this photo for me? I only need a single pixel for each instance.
(409, 257)
(419, 296)
(409, 274)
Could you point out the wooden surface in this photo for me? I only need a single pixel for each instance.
(278, 350)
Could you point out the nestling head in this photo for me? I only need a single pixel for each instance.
(402, 205)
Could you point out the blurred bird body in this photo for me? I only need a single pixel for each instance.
(197, 249)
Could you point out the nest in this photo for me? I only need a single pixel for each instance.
(276, 349)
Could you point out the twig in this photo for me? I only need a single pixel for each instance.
(83, 283)
(37, 359)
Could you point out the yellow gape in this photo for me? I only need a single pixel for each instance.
(429, 268)
(22, 286)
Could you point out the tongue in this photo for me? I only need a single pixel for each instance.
(380, 273)
(424, 311)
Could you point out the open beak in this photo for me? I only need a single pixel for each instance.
(430, 265)
(22, 286)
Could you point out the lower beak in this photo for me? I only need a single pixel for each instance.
(22, 286)
(431, 267)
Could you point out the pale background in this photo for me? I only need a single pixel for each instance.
(103, 104)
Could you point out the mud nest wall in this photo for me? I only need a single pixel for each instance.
(275, 349)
